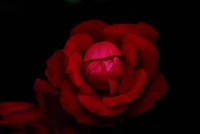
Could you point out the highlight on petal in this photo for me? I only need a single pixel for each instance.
(148, 32)
(13, 106)
(18, 119)
(136, 85)
(74, 71)
(115, 33)
(77, 44)
(68, 100)
(55, 70)
(129, 54)
(93, 28)
(147, 54)
(101, 50)
(57, 117)
(153, 93)
(94, 105)
(40, 87)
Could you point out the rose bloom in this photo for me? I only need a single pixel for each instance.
(104, 74)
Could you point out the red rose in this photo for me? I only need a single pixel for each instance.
(103, 73)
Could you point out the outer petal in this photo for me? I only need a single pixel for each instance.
(94, 28)
(147, 54)
(147, 31)
(77, 44)
(68, 100)
(55, 71)
(74, 71)
(57, 117)
(136, 88)
(41, 87)
(69, 130)
(153, 93)
(94, 105)
(34, 128)
(13, 106)
(20, 118)
(116, 32)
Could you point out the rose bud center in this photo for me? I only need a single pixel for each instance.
(103, 66)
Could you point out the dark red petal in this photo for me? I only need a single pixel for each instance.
(69, 130)
(74, 71)
(20, 118)
(153, 93)
(94, 28)
(77, 44)
(114, 85)
(55, 70)
(95, 105)
(34, 128)
(57, 117)
(40, 87)
(147, 54)
(129, 54)
(116, 32)
(135, 90)
(13, 106)
(147, 31)
(19, 133)
(68, 100)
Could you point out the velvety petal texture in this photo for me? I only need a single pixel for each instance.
(104, 73)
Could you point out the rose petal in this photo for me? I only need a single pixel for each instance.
(13, 106)
(74, 71)
(40, 87)
(20, 118)
(129, 54)
(68, 100)
(94, 105)
(147, 31)
(34, 128)
(114, 85)
(101, 50)
(136, 88)
(69, 130)
(153, 93)
(116, 32)
(147, 54)
(57, 117)
(94, 28)
(19, 133)
(77, 44)
(55, 70)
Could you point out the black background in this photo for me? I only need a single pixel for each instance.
(33, 30)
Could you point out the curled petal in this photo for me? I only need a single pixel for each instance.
(69, 130)
(138, 82)
(40, 87)
(18, 119)
(74, 71)
(68, 100)
(94, 105)
(77, 44)
(94, 28)
(147, 31)
(153, 93)
(55, 69)
(147, 54)
(57, 117)
(13, 106)
(129, 54)
(116, 32)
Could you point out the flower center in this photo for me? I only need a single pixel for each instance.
(103, 66)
